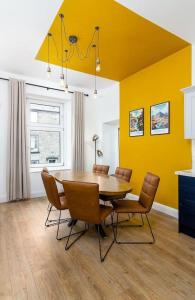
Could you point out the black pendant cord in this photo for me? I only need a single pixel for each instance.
(44, 87)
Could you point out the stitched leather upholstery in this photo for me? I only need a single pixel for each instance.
(123, 173)
(148, 191)
(59, 186)
(146, 198)
(101, 169)
(83, 202)
(129, 206)
(52, 191)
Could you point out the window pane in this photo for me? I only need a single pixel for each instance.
(44, 114)
(45, 147)
(34, 143)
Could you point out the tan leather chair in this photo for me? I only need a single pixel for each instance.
(55, 199)
(142, 206)
(101, 169)
(124, 174)
(83, 203)
(45, 169)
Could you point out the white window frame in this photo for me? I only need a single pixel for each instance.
(42, 100)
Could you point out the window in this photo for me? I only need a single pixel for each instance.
(46, 131)
(34, 143)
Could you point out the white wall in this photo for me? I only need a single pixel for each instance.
(36, 183)
(3, 137)
(110, 145)
(193, 84)
(97, 112)
(193, 64)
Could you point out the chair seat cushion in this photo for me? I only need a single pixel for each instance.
(129, 206)
(63, 202)
(104, 212)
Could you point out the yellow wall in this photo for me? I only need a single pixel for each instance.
(162, 154)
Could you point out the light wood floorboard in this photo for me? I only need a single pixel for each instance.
(34, 265)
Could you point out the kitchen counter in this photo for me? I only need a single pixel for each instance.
(190, 173)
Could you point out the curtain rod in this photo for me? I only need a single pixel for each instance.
(44, 87)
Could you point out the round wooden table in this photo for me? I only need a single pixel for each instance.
(108, 185)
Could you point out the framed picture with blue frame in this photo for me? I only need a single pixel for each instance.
(136, 122)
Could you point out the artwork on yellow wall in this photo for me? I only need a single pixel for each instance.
(160, 118)
(136, 122)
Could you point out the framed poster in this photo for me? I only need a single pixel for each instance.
(136, 122)
(160, 118)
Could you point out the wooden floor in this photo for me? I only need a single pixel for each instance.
(34, 265)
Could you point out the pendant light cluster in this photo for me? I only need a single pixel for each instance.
(68, 48)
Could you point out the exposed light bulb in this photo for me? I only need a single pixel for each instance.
(66, 89)
(95, 94)
(48, 72)
(62, 80)
(98, 66)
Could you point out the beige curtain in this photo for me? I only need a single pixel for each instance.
(18, 162)
(78, 132)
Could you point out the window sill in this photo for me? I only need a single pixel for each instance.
(38, 170)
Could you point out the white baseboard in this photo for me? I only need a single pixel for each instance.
(157, 206)
(37, 194)
(173, 212)
(3, 199)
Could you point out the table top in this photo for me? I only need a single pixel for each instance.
(108, 185)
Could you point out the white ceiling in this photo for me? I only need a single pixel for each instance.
(23, 26)
(177, 16)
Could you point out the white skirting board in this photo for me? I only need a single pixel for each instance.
(37, 194)
(3, 199)
(173, 212)
(157, 206)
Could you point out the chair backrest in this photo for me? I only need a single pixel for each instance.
(51, 189)
(123, 173)
(83, 201)
(101, 169)
(148, 191)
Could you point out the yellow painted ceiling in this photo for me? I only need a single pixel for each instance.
(128, 42)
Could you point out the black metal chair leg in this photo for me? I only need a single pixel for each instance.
(153, 238)
(48, 216)
(102, 258)
(131, 225)
(122, 221)
(76, 239)
(58, 226)
(48, 207)
(53, 222)
(59, 222)
(138, 242)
